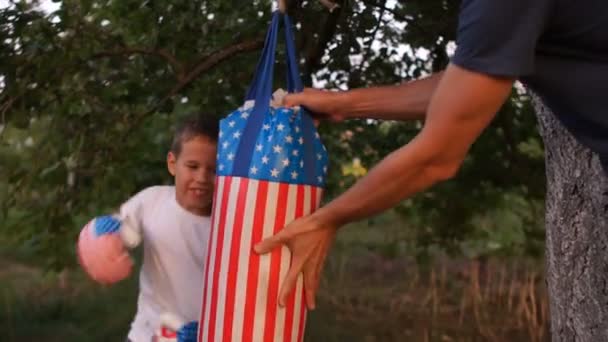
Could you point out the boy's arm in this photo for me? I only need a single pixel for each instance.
(130, 229)
(131, 217)
(103, 243)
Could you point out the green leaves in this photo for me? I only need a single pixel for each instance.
(89, 95)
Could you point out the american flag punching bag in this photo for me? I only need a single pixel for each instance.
(271, 169)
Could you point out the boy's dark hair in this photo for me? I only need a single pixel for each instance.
(194, 126)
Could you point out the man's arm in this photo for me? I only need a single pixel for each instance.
(461, 107)
(407, 101)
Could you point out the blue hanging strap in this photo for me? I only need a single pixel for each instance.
(261, 91)
(266, 54)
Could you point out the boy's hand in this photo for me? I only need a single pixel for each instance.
(129, 233)
(188, 332)
(185, 332)
(101, 250)
(106, 225)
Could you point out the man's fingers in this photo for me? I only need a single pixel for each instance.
(269, 244)
(319, 268)
(309, 290)
(292, 100)
(311, 280)
(289, 283)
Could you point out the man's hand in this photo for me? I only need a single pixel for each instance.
(309, 240)
(463, 104)
(322, 104)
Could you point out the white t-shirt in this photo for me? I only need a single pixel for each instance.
(174, 247)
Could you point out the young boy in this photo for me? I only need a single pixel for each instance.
(174, 222)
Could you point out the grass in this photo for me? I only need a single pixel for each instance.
(56, 307)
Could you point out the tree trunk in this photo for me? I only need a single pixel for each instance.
(577, 234)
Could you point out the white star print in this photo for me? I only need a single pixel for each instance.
(231, 123)
(324, 168)
(320, 179)
(295, 152)
(294, 175)
(302, 164)
(221, 167)
(301, 140)
(254, 170)
(274, 172)
(277, 149)
(236, 134)
(289, 139)
(297, 129)
(225, 145)
(266, 127)
(285, 162)
(264, 160)
(258, 147)
(230, 156)
(221, 133)
(317, 135)
(280, 127)
(319, 156)
(245, 115)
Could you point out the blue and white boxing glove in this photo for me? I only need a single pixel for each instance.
(183, 332)
(101, 248)
(188, 332)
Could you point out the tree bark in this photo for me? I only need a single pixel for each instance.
(577, 234)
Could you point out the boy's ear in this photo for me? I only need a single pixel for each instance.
(171, 161)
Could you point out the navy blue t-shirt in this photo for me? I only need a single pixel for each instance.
(558, 48)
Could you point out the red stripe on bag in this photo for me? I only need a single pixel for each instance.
(218, 258)
(290, 305)
(275, 267)
(234, 258)
(313, 207)
(214, 209)
(254, 261)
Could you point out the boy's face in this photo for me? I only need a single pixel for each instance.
(194, 172)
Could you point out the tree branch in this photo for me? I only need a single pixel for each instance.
(383, 7)
(331, 6)
(210, 61)
(5, 107)
(372, 39)
(398, 16)
(315, 51)
(177, 66)
(213, 59)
